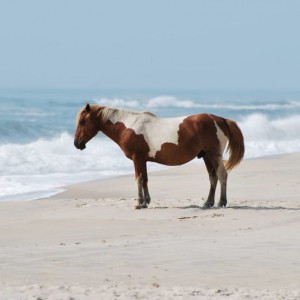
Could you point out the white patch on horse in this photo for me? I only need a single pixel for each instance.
(221, 137)
(156, 131)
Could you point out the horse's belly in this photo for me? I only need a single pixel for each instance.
(174, 155)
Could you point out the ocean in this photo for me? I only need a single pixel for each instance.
(38, 158)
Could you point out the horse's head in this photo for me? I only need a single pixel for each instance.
(86, 126)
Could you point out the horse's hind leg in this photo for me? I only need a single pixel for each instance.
(217, 171)
(213, 183)
(222, 175)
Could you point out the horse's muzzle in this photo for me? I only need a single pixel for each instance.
(80, 144)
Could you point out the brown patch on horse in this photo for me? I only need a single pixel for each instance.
(194, 134)
(130, 142)
(206, 132)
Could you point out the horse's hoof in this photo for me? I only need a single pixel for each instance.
(222, 204)
(144, 205)
(140, 206)
(207, 205)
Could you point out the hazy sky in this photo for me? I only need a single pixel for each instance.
(213, 44)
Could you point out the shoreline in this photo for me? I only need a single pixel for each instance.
(89, 243)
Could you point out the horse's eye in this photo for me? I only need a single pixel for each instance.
(82, 122)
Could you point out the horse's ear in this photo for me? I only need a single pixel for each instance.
(88, 107)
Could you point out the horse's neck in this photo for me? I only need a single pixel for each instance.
(111, 122)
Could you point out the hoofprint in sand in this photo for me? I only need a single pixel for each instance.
(89, 242)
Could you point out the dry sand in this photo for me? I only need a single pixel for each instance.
(89, 242)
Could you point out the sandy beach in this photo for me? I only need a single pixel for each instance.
(89, 243)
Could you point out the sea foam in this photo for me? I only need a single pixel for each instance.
(48, 163)
(264, 136)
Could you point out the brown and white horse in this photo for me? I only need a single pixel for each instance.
(172, 141)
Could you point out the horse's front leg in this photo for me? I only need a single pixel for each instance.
(146, 193)
(141, 178)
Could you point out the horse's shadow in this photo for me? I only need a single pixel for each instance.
(235, 207)
(180, 207)
(248, 207)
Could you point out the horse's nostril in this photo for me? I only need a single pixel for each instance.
(79, 144)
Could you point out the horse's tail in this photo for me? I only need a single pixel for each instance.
(235, 145)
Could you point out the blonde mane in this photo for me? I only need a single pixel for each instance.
(110, 112)
(107, 112)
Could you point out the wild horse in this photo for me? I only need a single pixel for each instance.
(169, 141)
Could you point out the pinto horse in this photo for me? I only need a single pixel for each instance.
(169, 141)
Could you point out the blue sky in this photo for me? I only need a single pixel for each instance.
(157, 44)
